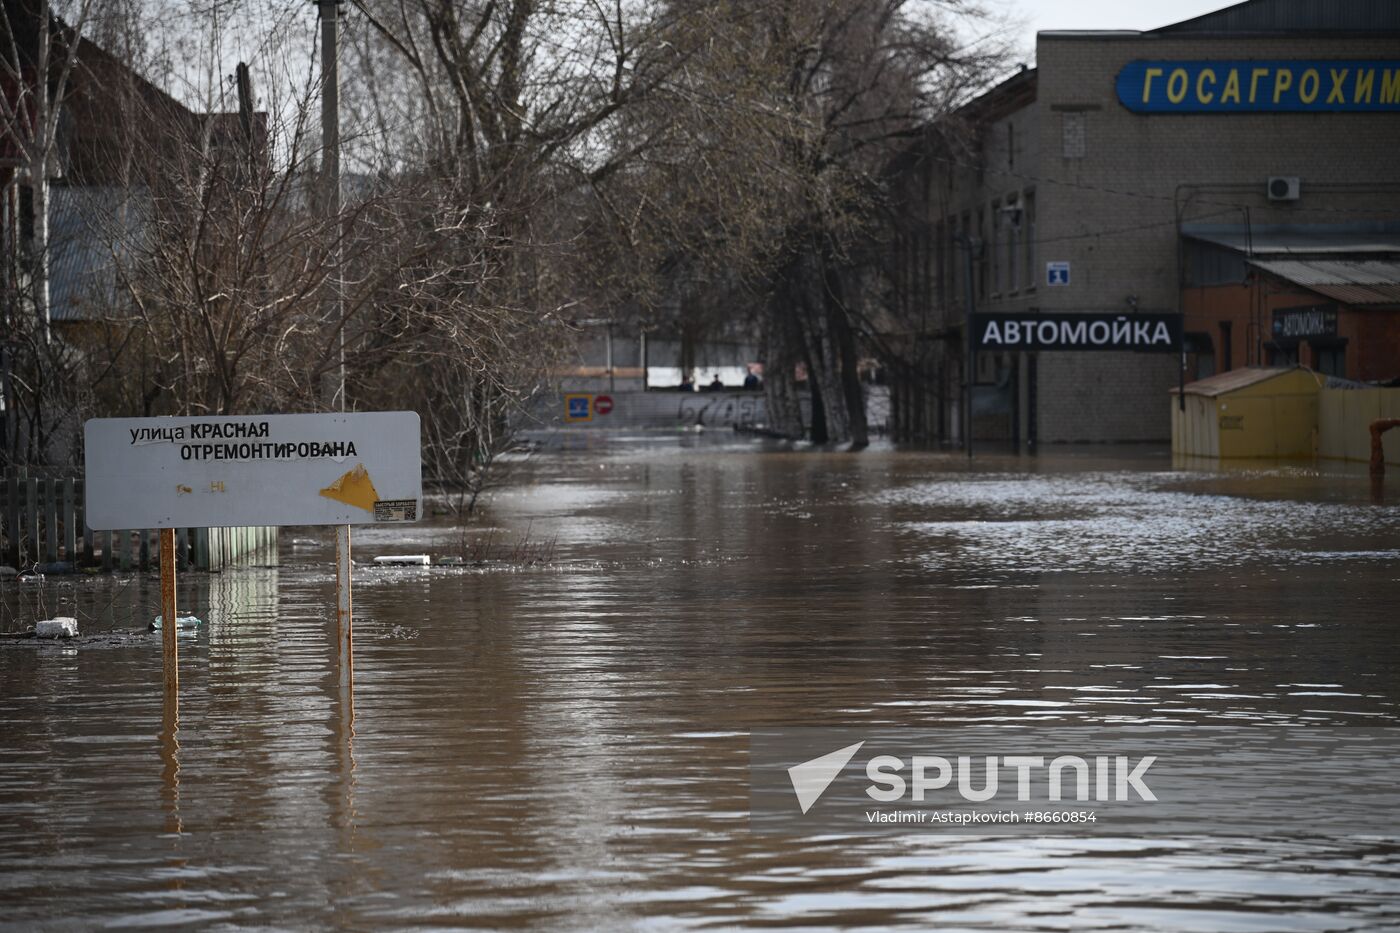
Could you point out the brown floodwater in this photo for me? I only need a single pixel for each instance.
(564, 745)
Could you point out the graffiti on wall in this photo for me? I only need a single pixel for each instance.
(724, 410)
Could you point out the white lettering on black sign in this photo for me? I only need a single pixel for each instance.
(1151, 332)
(1293, 323)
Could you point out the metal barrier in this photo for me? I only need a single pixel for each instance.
(41, 524)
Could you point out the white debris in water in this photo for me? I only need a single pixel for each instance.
(61, 627)
(180, 622)
(404, 560)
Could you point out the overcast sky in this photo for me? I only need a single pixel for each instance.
(1037, 15)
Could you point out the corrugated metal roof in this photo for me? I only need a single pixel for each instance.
(1234, 380)
(1349, 281)
(1272, 16)
(91, 230)
(1317, 239)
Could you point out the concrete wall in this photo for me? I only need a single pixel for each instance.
(660, 409)
(636, 410)
(658, 355)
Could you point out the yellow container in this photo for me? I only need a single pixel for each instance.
(1248, 413)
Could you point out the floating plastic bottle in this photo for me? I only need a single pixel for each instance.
(61, 627)
(185, 622)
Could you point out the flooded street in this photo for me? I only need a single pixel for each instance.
(564, 744)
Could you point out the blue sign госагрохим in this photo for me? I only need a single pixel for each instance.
(1332, 85)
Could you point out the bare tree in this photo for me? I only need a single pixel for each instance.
(515, 165)
(37, 67)
(38, 45)
(793, 110)
(501, 125)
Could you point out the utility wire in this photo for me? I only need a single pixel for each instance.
(1101, 189)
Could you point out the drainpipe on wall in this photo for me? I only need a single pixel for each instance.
(970, 358)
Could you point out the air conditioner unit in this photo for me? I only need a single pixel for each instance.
(1285, 188)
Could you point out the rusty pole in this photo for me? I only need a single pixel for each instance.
(1379, 427)
(168, 620)
(335, 305)
(170, 764)
(344, 620)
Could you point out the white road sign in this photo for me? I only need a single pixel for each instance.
(329, 469)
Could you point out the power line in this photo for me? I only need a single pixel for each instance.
(1117, 192)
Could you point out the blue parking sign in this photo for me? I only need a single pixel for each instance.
(578, 408)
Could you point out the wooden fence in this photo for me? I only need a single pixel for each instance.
(41, 523)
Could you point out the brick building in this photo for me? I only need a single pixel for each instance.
(1128, 172)
(1326, 296)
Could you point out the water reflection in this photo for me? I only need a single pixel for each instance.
(170, 763)
(565, 745)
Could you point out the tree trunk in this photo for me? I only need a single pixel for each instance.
(821, 434)
(853, 394)
(823, 367)
(782, 353)
(40, 244)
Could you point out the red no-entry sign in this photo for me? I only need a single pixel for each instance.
(602, 404)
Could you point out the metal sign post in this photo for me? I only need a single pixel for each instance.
(335, 304)
(168, 624)
(344, 624)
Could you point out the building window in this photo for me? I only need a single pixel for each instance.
(1331, 357)
(959, 253)
(928, 266)
(1073, 133)
(940, 263)
(1028, 234)
(950, 261)
(1210, 265)
(26, 213)
(998, 260)
(1280, 355)
(1199, 346)
(1013, 244)
(911, 267)
(982, 226)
